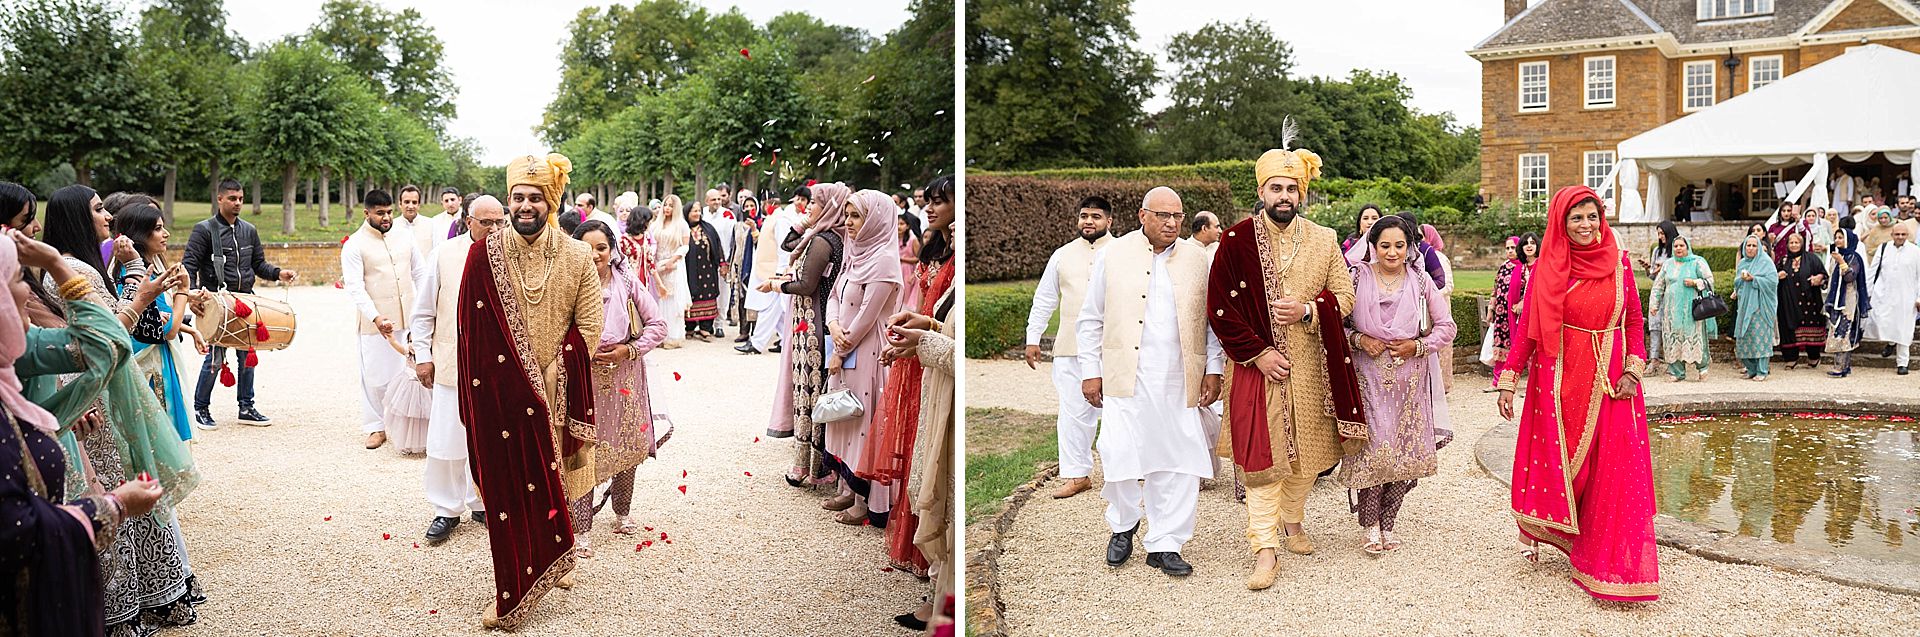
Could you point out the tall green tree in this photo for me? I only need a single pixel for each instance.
(1231, 90)
(73, 92)
(395, 52)
(189, 57)
(302, 108)
(1054, 83)
(907, 112)
(616, 53)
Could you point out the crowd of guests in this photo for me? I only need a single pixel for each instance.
(1811, 287)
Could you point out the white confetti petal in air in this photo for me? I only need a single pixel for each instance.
(769, 122)
(940, 112)
(886, 135)
(869, 79)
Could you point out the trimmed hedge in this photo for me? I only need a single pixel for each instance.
(1015, 223)
(996, 318)
(1238, 174)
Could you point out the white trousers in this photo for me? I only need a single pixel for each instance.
(726, 304)
(676, 313)
(1171, 503)
(379, 363)
(448, 482)
(769, 326)
(1077, 422)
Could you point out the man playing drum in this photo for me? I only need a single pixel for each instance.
(224, 253)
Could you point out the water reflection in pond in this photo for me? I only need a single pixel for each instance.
(1849, 485)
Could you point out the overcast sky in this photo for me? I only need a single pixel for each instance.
(505, 56)
(1425, 41)
(494, 46)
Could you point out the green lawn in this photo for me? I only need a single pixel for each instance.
(307, 221)
(1004, 448)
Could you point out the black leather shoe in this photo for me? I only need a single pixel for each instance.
(1170, 563)
(204, 420)
(746, 348)
(441, 528)
(1120, 546)
(1902, 371)
(480, 516)
(1888, 352)
(719, 332)
(909, 622)
(251, 416)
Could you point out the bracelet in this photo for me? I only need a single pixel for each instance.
(937, 325)
(1508, 380)
(119, 510)
(75, 289)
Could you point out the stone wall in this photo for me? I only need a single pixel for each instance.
(318, 262)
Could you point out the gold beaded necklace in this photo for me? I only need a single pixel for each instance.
(530, 293)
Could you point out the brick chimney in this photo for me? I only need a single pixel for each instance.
(1514, 8)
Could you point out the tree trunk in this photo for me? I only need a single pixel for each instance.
(667, 188)
(289, 188)
(168, 190)
(700, 181)
(81, 173)
(325, 172)
(213, 183)
(256, 197)
(309, 183)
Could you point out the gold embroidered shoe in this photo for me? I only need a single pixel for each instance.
(1264, 575)
(1299, 544)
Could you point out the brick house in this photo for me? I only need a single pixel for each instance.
(1563, 82)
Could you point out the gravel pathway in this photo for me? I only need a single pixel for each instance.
(1457, 573)
(286, 531)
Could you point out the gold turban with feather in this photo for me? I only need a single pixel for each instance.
(1302, 165)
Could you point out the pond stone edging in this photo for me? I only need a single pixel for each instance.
(1494, 451)
(986, 614)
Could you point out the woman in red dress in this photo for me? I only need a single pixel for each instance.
(1582, 470)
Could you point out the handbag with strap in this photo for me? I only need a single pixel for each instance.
(1709, 305)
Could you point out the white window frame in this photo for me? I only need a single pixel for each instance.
(1546, 173)
(1753, 69)
(1713, 85)
(1593, 179)
(1610, 87)
(1756, 190)
(1546, 86)
(1731, 9)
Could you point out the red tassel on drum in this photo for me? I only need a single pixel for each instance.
(241, 309)
(260, 331)
(226, 375)
(253, 358)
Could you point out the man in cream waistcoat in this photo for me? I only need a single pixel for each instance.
(448, 482)
(1147, 356)
(422, 231)
(377, 270)
(1064, 286)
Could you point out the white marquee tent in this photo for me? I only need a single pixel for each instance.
(1853, 106)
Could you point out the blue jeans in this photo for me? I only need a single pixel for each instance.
(203, 392)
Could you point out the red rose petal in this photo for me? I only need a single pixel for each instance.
(433, 612)
(416, 545)
(745, 54)
(756, 439)
(552, 512)
(886, 569)
(626, 392)
(327, 519)
(636, 547)
(683, 473)
(647, 543)
(669, 541)
(749, 474)
(386, 536)
(676, 375)
(649, 528)
(663, 535)
(683, 489)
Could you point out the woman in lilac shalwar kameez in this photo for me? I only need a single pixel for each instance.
(623, 416)
(1400, 326)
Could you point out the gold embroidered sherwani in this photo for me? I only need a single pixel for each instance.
(570, 297)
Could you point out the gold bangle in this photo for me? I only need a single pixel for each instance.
(75, 289)
(1509, 379)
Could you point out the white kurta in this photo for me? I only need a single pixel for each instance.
(1893, 284)
(379, 362)
(1152, 431)
(1077, 419)
(447, 481)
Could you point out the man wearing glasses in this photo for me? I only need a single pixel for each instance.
(1148, 360)
(449, 485)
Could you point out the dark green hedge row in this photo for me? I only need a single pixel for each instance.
(1015, 223)
(1402, 194)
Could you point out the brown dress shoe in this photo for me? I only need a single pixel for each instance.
(375, 439)
(1073, 487)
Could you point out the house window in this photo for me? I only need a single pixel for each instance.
(1600, 82)
(1533, 178)
(1599, 164)
(1697, 87)
(1762, 71)
(1722, 9)
(1761, 196)
(1533, 86)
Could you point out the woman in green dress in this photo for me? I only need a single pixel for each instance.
(1684, 278)
(1756, 288)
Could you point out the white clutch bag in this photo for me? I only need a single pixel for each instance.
(836, 406)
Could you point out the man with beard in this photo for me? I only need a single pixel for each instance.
(717, 214)
(1276, 297)
(1064, 286)
(377, 271)
(446, 223)
(526, 299)
(448, 482)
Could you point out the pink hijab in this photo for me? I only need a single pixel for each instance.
(13, 343)
(873, 256)
(833, 210)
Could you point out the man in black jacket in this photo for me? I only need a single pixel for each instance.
(224, 253)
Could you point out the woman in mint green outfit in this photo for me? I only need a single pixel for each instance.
(1756, 297)
(1684, 278)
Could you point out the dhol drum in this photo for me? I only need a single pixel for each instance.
(247, 322)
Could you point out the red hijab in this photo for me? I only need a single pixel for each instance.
(1560, 262)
